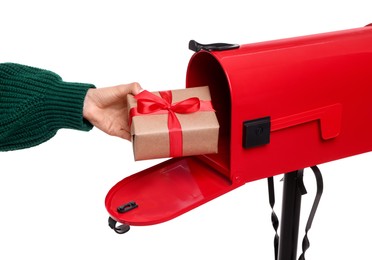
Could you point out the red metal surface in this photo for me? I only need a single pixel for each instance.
(166, 190)
(317, 91)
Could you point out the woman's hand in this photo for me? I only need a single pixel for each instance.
(106, 108)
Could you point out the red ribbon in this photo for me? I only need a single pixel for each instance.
(149, 103)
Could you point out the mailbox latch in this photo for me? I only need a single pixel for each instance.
(127, 206)
(256, 132)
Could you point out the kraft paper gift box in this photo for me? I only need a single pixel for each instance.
(173, 123)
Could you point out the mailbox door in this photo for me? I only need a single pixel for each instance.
(165, 191)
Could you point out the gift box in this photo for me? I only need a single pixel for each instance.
(173, 123)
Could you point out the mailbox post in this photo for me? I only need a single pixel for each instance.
(290, 219)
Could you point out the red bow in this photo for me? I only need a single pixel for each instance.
(149, 103)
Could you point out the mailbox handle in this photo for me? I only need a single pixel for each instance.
(329, 117)
(196, 46)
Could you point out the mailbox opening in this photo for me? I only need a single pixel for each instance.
(206, 70)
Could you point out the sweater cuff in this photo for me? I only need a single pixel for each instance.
(65, 101)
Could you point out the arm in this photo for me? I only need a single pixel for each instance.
(36, 103)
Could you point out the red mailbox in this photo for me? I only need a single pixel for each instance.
(282, 105)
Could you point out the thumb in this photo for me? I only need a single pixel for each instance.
(132, 88)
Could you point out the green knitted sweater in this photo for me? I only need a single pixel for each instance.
(35, 104)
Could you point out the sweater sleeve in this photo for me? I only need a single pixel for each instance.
(35, 104)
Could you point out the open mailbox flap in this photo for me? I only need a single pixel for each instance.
(165, 191)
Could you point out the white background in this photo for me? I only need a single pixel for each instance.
(52, 196)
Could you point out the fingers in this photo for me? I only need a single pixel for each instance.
(135, 88)
(124, 134)
(132, 88)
